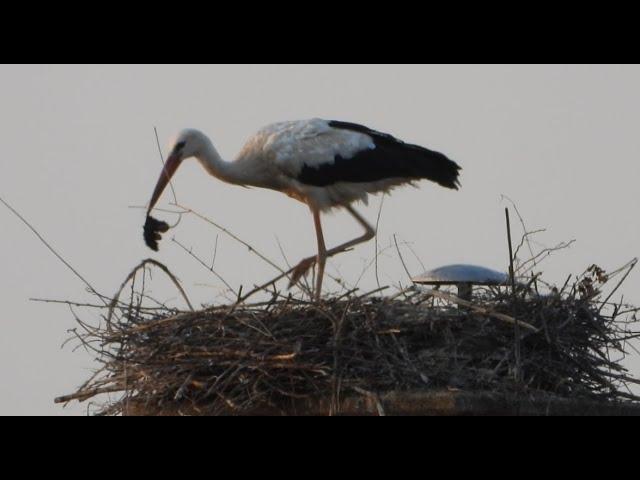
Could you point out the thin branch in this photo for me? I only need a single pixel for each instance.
(415, 255)
(482, 310)
(284, 255)
(210, 269)
(524, 227)
(404, 265)
(535, 260)
(232, 235)
(51, 249)
(632, 265)
(173, 191)
(376, 239)
(512, 277)
(131, 275)
(215, 253)
(161, 307)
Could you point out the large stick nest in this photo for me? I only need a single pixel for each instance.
(243, 358)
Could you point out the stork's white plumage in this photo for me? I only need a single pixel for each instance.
(325, 164)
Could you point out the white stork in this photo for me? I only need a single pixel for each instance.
(324, 164)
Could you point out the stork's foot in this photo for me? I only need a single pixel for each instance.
(301, 270)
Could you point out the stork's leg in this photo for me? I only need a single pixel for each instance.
(320, 259)
(322, 254)
(369, 233)
(302, 268)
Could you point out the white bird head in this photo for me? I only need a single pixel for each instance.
(189, 143)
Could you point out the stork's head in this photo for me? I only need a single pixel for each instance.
(189, 143)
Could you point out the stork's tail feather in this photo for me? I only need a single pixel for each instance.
(438, 168)
(391, 158)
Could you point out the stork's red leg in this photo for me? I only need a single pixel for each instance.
(370, 232)
(322, 254)
(303, 267)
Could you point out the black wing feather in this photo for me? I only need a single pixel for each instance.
(392, 158)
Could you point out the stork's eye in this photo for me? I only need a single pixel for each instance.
(179, 146)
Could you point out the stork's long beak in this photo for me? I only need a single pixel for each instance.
(170, 167)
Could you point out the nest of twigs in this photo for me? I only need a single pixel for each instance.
(272, 356)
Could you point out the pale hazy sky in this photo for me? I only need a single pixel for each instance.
(78, 149)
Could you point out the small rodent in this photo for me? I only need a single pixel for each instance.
(153, 230)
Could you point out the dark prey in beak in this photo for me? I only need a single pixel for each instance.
(152, 227)
(152, 232)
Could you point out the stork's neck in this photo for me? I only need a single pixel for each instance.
(216, 166)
